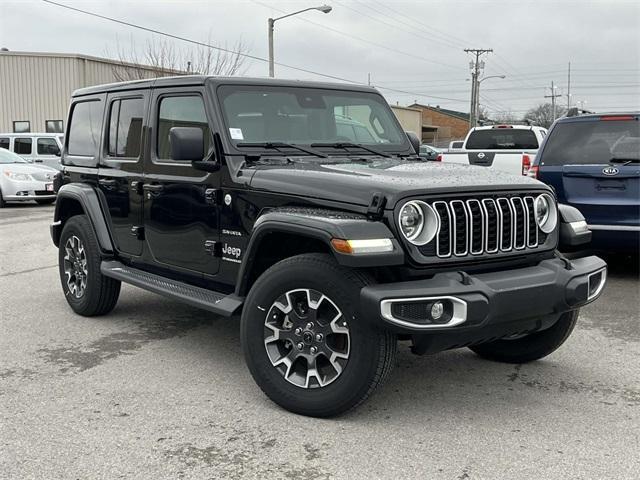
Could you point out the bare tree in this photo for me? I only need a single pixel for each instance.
(507, 117)
(160, 57)
(542, 115)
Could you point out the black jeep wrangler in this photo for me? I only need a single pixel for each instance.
(307, 208)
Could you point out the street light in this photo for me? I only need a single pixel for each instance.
(476, 96)
(271, 21)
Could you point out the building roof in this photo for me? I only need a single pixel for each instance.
(444, 111)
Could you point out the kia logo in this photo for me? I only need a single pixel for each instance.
(610, 171)
(481, 155)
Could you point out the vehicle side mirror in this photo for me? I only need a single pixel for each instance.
(414, 140)
(58, 153)
(187, 144)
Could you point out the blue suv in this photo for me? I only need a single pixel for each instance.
(593, 163)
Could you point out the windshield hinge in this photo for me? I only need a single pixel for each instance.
(375, 210)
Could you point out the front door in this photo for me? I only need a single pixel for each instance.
(120, 170)
(181, 215)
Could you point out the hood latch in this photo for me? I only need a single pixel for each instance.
(375, 210)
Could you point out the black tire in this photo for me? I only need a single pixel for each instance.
(530, 347)
(371, 353)
(48, 201)
(2, 202)
(100, 294)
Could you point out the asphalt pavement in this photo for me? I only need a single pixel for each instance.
(159, 390)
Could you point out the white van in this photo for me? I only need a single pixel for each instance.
(41, 148)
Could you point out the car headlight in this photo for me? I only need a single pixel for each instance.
(546, 213)
(20, 177)
(418, 222)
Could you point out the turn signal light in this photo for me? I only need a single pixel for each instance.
(439, 158)
(355, 247)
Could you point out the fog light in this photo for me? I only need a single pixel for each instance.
(437, 310)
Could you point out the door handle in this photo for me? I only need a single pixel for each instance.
(107, 182)
(153, 188)
(38, 161)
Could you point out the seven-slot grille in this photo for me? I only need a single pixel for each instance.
(478, 226)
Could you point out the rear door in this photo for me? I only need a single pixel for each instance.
(593, 164)
(120, 170)
(47, 152)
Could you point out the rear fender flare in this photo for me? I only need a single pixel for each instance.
(87, 198)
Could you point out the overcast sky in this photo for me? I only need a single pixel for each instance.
(413, 47)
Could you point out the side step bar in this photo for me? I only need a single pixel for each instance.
(215, 302)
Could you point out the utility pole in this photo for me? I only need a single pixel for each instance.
(569, 87)
(476, 68)
(553, 97)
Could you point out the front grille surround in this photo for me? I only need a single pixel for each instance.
(483, 226)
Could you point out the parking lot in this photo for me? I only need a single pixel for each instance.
(160, 390)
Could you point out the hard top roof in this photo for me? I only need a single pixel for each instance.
(191, 80)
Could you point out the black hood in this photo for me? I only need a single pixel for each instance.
(355, 182)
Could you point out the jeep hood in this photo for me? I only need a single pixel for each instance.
(356, 182)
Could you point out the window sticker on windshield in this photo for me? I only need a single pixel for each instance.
(236, 133)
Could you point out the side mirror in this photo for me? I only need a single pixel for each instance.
(57, 153)
(414, 140)
(187, 144)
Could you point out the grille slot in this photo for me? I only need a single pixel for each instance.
(485, 226)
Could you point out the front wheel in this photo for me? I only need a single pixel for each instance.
(527, 348)
(305, 342)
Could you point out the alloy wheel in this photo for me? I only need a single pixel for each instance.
(75, 266)
(307, 338)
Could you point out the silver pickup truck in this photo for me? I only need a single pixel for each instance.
(507, 148)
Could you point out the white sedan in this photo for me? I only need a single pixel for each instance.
(21, 180)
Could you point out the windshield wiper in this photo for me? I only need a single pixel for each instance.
(280, 145)
(624, 161)
(348, 145)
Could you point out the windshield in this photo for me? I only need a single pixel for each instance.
(9, 157)
(306, 116)
(592, 142)
(502, 139)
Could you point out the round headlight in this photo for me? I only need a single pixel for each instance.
(418, 222)
(546, 213)
(411, 220)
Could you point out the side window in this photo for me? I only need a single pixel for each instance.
(48, 146)
(125, 127)
(22, 146)
(183, 111)
(4, 143)
(84, 130)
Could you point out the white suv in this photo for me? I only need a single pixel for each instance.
(41, 148)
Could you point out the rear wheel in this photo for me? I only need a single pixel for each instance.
(87, 291)
(48, 201)
(527, 348)
(2, 202)
(305, 342)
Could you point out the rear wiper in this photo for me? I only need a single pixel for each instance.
(624, 161)
(348, 145)
(280, 145)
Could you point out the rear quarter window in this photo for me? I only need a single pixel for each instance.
(502, 139)
(85, 128)
(592, 142)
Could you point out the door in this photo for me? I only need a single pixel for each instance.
(47, 152)
(23, 146)
(594, 165)
(181, 215)
(120, 170)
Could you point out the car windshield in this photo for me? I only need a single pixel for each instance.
(309, 116)
(593, 142)
(502, 139)
(9, 157)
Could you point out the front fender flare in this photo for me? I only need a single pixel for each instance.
(322, 225)
(88, 199)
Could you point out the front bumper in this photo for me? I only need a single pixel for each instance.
(14, 191)
(492, 304)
